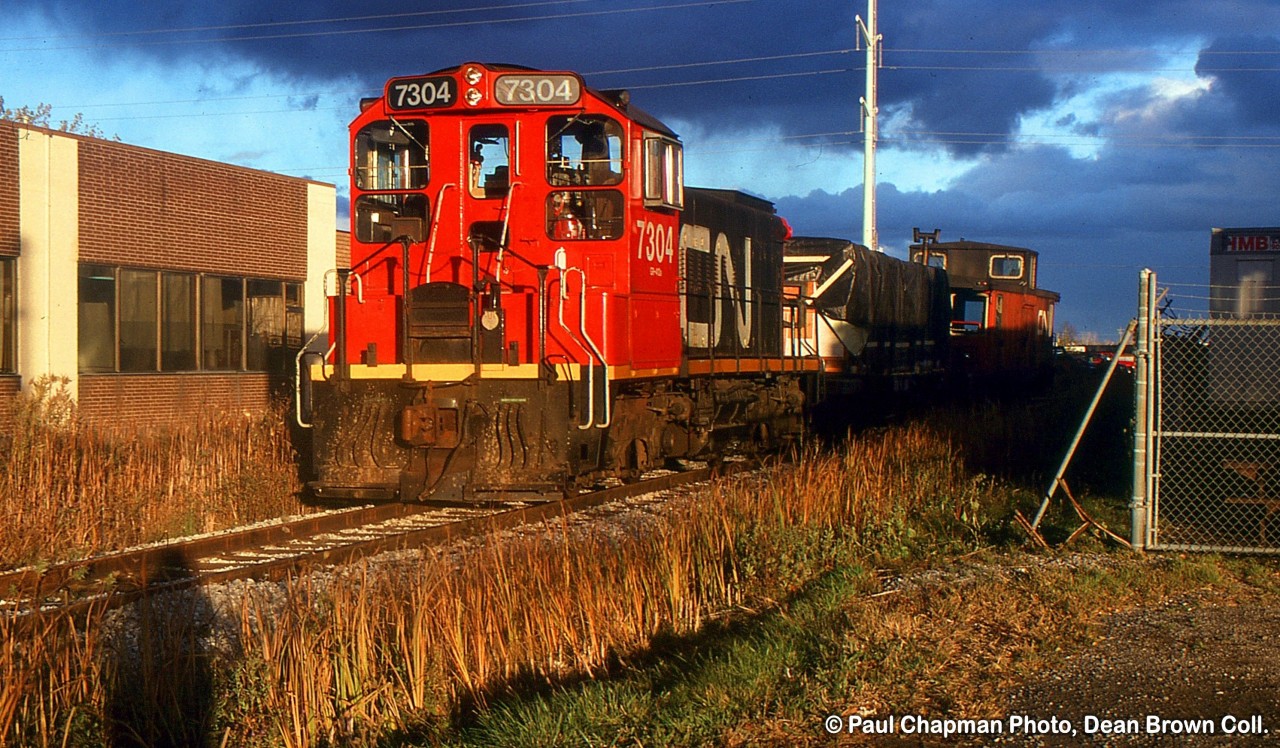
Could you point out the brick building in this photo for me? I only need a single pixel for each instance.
(157, 283)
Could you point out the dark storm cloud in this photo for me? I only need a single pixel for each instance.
(958, 90)
(959, 75)
(1246, 75)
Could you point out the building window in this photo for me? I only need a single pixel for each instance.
(139, 318)
(275, 324)
(221, 323)
(146, 320)
(8, 317)
(293, 316)
(177, 322)
(97, 318)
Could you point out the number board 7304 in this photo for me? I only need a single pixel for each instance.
(537, 89)
(430, 92)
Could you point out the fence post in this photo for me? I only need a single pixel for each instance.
(1140, 504)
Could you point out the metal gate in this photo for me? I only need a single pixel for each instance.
(1207, 441)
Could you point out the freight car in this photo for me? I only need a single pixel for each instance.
(536, 301)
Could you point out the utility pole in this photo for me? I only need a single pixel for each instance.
(870, 110)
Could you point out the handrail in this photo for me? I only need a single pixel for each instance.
(435, 223)
(582, 327)
(352, 274)
(564, 294)
(506, 223)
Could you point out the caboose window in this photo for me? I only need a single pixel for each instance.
(936, 259)
(490, 161)
(583, 151)
(1008, 267)
(968, 312)
(392, 155)
(663, 173)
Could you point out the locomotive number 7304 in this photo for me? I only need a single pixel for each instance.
(657, 242)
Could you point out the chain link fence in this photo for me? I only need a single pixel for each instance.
(1209, 423)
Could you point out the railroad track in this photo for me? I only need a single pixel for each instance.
(279, 550)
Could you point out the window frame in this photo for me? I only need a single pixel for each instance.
(563, 171)
(284, 329)
(991, 267)
(663, 172)
(8, 315)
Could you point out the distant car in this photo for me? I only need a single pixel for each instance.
(1127, 361)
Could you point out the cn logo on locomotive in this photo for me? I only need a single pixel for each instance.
(710, 283)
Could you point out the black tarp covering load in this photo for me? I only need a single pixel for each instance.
(892, 316)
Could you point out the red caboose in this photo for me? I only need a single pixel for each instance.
(531, 303)
(1001, 320)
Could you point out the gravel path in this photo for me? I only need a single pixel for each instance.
(1208, 661)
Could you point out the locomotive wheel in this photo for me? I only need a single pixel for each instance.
(762, 438)
(638, 461)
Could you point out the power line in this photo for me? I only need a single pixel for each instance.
(732, 61)
(1044, 69)
(389, 29)
(650, 68)
(738, 79)
(1115, 51)
(277, 24)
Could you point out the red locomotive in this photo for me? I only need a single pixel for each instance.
(536, 301)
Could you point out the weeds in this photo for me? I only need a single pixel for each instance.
(70, 489)
(448, 643)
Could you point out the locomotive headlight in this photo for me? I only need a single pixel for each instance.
(472, 75)
(473, 96)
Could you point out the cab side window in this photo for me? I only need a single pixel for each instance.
(583, 151)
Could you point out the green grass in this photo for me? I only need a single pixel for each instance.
(942, 646)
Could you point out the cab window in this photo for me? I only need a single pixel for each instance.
(584, 214)
(490, 161)
(390, 166)
(583, 151)
(663, 173)
(391, 155)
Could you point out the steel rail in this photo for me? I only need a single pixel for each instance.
(263, 552)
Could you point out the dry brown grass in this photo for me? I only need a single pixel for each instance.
(69, 489)
(407, 646)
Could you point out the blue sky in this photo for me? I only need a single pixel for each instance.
(1108, 136)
